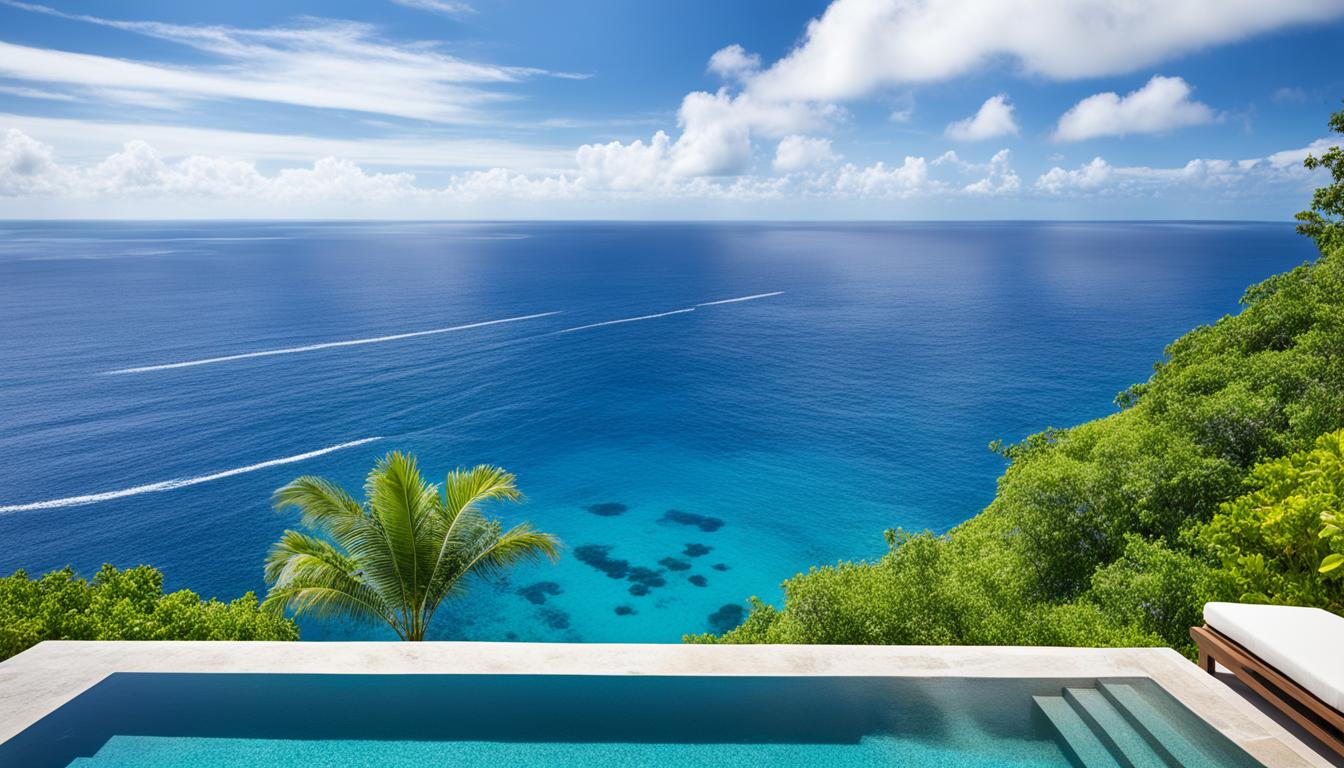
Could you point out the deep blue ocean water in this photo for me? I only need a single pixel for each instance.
(796, 426)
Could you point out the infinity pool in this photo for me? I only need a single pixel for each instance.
(154, 720)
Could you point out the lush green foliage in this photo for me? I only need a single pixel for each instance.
(1325, 221)
(1101, 534)
(398, 555)
(1276, 541)
(123, 605)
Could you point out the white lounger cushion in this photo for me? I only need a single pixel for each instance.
(1306, 644)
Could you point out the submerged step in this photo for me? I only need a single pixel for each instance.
(1079, 742)
(1162, 734)
(1125, 742)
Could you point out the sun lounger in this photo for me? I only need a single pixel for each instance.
(1292, 657)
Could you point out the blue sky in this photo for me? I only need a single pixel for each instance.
(873, 109)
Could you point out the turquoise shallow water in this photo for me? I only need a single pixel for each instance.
(786, 431)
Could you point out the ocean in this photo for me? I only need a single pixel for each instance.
(716, 405)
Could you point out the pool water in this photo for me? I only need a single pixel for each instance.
(139, 720)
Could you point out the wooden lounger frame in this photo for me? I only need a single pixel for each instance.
(1304, 707)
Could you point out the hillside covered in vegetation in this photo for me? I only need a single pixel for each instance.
(1220, 478)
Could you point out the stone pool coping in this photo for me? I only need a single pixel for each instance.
(46, 676)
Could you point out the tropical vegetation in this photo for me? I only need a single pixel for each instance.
(1218, 478)
(395, 557)
(123, 605)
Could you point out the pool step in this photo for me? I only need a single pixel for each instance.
(1162, 734)
(1079, 742)
(1115, 725)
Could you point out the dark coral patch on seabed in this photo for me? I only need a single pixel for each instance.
(647, 576)
(595, 555)
(536, 593)
(639, 590)
(703, 522)
(608, 509)
(555, 619)
(675, 564)
(696, 550)
(698, 580)
(624, 610)
(719, 566)
(727, 617)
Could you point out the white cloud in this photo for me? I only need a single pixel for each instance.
(901, 115)
(995, 177)
(1231, 177)
(26, 166)
(999, 178)
(734, 63)
(1162, 105)
(320, 64)
(35, 93)
(860, 46)
(630, 166)
(140, 180)
(717, 130)
(1086, 177)
(442, 7)
(994, 118)
(878, 180)
(800, 153)
(86, 140)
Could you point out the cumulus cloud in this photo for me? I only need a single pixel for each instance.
(26, 166)
(1162, 105)
(994, 118)
(878, 180)
(995, 177)
(800, 153)
(201, 185)
(626, 166)
(1233, 177)
(734, 63)
(999, 178)
(859, 46)
(717, 130)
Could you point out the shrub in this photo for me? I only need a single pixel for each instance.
(123, 605)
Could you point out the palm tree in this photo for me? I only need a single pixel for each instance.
(398, 555)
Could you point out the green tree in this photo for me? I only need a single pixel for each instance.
(398, 555)
(1324, 222)
(123, 605)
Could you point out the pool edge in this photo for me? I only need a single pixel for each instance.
(48, 675)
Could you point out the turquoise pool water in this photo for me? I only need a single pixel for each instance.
(874, 751)
(211, 720)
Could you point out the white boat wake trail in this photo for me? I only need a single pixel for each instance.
(753, 297)
(325, 345)
(170, 485)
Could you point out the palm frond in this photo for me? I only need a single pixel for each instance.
(322, 504)
(309, 575)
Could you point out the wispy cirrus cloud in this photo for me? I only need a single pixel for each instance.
(299, 64)
(442, 7)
